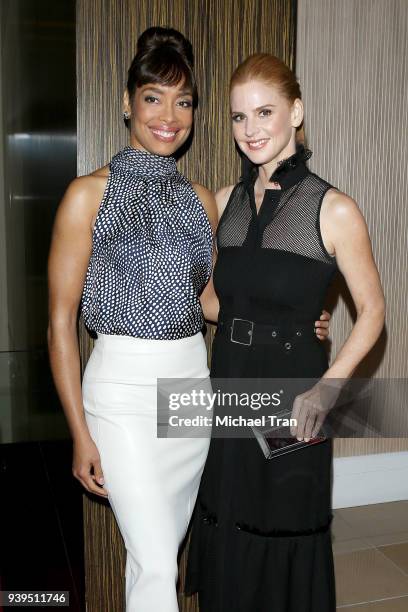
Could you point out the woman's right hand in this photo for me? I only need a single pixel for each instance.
(86, 460)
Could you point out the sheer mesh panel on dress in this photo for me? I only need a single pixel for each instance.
(295, 226)
(234, 223)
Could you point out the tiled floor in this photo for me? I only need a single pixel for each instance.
(370, 545)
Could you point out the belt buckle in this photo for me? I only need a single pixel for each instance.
(250, 332)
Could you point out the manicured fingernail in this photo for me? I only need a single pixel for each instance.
(101, 481)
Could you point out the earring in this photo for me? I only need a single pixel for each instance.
(126, 115)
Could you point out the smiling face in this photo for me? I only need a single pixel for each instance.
(161, 117)
(264, 122)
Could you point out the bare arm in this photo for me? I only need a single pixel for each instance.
(208, 298)
(347, 233)
(69, 255)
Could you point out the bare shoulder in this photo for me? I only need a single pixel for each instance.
(82, 198)
(342, 223)
(338, 207)
(221, 197)
(201, 191)
(207, 198)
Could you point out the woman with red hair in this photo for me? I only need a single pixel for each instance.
(261, 537)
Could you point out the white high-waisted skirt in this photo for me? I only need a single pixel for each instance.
(152, 482)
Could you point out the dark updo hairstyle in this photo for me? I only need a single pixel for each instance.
(163, 56)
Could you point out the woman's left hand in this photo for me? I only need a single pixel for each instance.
(322, 326)
(311, 408)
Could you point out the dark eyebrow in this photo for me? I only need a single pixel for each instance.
(159, 90)
(152, 88)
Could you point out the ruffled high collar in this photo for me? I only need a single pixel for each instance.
(289, 171)
(144, 164)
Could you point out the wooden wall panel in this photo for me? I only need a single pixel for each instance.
(351, 60)
(222, 33)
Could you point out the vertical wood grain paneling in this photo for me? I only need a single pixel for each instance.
(352, 64)
(222, 33)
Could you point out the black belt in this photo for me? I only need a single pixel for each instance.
(243, 331)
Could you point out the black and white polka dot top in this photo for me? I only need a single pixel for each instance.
(151, 251)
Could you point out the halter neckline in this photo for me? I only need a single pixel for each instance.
(143, 163)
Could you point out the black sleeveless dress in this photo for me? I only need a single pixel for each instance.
(261, 539)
